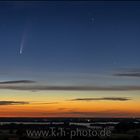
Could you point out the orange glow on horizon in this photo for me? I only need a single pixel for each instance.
(73, 109)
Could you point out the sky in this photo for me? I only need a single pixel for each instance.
(69, 59)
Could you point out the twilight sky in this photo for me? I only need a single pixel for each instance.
(69, 59)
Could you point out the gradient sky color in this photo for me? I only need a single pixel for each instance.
(69, 59)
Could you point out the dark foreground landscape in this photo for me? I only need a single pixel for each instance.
(69, 128)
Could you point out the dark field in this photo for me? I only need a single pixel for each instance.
(69, 128)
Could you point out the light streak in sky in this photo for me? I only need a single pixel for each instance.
(22, 45)
(23, 40)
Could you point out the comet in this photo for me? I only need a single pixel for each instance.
(22, 42)
(24, 37)
(21, 46)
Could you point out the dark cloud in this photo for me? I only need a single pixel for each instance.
(128, 73)
(13, 102)
(49, 103)
(17, 82)
(100, 99)
(62, 108)
(70, 88)
(105, 113)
